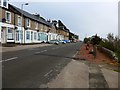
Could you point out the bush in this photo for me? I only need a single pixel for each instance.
(108, 45)
(95, 40)
(118, 55)
(86, 40)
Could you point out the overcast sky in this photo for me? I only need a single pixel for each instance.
(81, 17)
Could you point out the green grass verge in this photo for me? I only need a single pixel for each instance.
(117, 70)
(118, 55)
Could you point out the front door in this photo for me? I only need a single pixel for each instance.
(3, 35)
(17, 36)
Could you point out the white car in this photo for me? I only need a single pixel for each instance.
(61, 41)
(53, 42)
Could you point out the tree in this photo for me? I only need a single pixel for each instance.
(95, 40)
(110, 37)
(86, 40)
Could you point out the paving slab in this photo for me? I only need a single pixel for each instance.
(111, 77)
(74, 75)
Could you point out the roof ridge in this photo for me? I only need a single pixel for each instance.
(31, 16)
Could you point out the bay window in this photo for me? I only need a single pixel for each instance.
(39, 36)
(28, 35)
(10, 34)
(35, 35)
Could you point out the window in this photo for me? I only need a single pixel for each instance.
(19, 21)
(35, 35)
(17, 36)
(31, 35)
(8, 17)
(10, 34)
(39, 35)
(5, 3)
(28, 22)
(41, 27)
(45, 28)
(21, 35)
(36, 25)
(27, 35)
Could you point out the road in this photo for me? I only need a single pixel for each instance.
(34, 67)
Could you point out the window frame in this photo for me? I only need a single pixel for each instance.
(35, 35)
(41, 27)
(19, 23)
(28, 23)
(27, 35)
(2, 3)
(36, 25)
(9, 34)
(7, 12)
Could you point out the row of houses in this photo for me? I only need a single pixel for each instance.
(19, 26)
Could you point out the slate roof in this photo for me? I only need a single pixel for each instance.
(31, 16)
(62, 26)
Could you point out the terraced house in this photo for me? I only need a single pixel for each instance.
(19, 26)
(62, 31)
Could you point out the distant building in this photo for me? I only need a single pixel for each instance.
(73, 37)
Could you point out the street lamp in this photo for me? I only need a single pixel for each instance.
(21, 33)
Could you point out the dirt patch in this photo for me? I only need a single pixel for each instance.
(100, 57)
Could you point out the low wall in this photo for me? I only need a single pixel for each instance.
(108, 52)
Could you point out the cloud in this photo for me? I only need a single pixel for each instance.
(83, 17)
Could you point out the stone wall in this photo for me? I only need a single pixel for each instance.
(108, 52)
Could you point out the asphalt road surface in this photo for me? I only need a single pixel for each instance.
(34, 67)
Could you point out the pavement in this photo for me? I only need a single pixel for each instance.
(84, 74)
(21, 47)
(35, 67)
(74, 75)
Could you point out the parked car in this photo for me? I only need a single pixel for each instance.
(54, 42)
(67, 41)
(62, 41)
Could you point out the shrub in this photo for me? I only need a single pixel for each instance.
(108, 45)
(86, 40)
(95, 40)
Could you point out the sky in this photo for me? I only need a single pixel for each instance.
(83, 17)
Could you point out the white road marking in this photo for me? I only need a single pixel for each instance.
(73, 60)
(75, 54)
(44, 51)
(48, 73)
(40, 52)
(9, 59)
